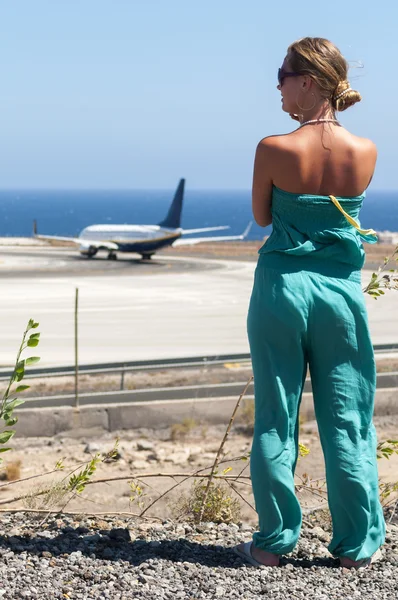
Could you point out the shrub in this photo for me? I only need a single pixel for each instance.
(220, 507)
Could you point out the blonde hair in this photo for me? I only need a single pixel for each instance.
(321, 60)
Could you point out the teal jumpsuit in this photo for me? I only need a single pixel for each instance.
(307, 309)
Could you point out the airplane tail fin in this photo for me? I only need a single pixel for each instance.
(173, 218)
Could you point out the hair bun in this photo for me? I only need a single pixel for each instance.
(344, 96)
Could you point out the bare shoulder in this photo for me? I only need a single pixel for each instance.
(365, 145)
(273, 143)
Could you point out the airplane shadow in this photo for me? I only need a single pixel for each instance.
(120, 261)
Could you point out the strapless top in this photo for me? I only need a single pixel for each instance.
(324, 228)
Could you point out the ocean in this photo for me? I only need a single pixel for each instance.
(67, 212)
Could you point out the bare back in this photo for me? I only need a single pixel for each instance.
(320, 160)
(323, 160)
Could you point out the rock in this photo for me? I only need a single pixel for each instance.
(81, 530)
(321, 534)
(194, 452)
(145, 445)
(92, 539)
(159, 454)
(75, 556)
(139, 464)
(138, 456)
(146, 578)
(208, 456)
(120, 534)
(45, 534)
(91, 448)
(178, 458)
(322, 551)
(108, 553)
(68, 529)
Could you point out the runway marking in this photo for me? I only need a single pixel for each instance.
(69, 309)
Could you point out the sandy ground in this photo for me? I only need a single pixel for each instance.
(147, 451)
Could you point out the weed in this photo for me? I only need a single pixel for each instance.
(179, 431)
(12, 471)
(220, 507)
(246, 417)
(44, 496)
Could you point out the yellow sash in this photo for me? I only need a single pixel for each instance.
(351, 220)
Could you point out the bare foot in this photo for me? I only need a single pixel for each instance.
(348, 563)
(265, 558)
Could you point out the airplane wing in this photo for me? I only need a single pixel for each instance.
(80, 241)
(185, 231)
(219, 238)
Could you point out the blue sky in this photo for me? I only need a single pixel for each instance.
(138, 93)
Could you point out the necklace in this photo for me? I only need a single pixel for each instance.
(319, 121)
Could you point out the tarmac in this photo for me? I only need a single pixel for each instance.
(129, 310)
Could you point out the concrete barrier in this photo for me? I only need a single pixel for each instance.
(48, 422)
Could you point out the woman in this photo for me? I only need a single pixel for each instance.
(307, 309)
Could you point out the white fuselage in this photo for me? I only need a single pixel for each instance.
(128, 233)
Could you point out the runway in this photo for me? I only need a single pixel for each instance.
(44, 261)
(174, 307)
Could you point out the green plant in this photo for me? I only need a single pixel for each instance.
(77, 482)
(303, 450)
(138, 494)
(387, 448)
(46, 496)
(388, 281)
(219, 506)
(9, 403)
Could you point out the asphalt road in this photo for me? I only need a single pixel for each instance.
(174, 307)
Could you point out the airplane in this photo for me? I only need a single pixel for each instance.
(145, 240)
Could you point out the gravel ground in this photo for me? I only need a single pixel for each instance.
(121, 559)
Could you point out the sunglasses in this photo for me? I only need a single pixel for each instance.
(282, 74)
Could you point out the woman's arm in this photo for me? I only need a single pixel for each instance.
(262, 183)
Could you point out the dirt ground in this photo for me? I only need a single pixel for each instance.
(184, 448)
(224, 373)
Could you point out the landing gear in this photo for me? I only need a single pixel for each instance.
(147, 255)
(89, 252)
(112, 255)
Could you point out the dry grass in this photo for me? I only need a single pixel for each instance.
(220, 506)
(12, 471)
(180, 431)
